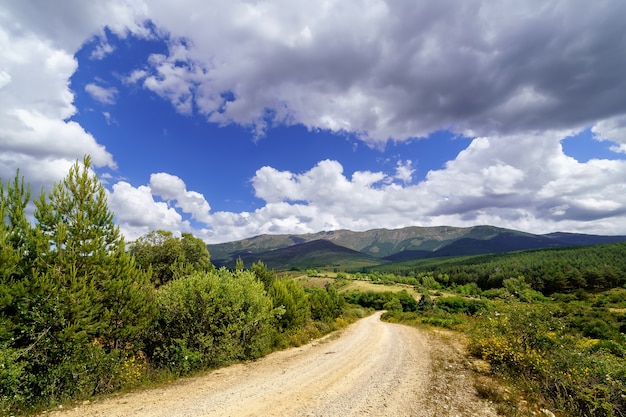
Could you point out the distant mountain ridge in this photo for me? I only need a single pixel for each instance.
(388, 245)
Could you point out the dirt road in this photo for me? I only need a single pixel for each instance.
(372, 369)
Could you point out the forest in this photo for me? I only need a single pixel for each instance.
(85, 313)
(548, 271)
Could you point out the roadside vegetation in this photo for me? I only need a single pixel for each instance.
(560, 351)
(84, 313)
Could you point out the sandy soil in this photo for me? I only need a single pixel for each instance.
(371, 369)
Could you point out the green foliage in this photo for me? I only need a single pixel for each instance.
(442, 319)
(547, 270)
(425, 303)
(290, 296)
(326, 304)
(170, 257)
(460, 305)
(378, 300)
(393, 305)
(408, 303)
(239, 265)
(210, 319)
(72, 304)
(469, 289)
(534, 343)
(518, 287)
(263, 274)
(85, 252)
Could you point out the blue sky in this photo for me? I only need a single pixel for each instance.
(230, 120)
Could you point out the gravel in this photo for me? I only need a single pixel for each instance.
(372, 368)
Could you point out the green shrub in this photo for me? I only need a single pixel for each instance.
(326, 304)
(210, 319)
(443, 320)
(597, 329)
(460, 305)
(378, 300)
(425, 303)
(470, 289)
(531, 342)
(496, 293)
(289, 296)
(609, 346)
(14, 391)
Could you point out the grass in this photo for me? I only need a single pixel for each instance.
(369, 286)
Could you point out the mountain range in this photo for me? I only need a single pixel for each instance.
(351, 250)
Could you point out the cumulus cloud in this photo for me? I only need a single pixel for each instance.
(521, 181)
(102, 94)
(517, 76)
(137, 212)
(613, 130)
(404, 171)
(387, 69)
(172, 188)
(37, 46)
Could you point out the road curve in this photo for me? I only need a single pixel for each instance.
(372, 369)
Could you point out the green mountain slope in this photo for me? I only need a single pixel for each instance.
(390, 245)
(315, 254)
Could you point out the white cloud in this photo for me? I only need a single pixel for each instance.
(175, 77)
(520, 75)
(614, 130)
(102, 50)
(383, 69)
(404, 171)
(172, 188)
(37, 46)
(137, 213)
(110, 120)
(523, 182)
(102, 94)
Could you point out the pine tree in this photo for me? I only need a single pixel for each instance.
(72, 302)
(263, 274)
(15, 230)
(83, 245)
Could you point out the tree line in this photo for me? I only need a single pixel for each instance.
(548, 271)
(83, 312)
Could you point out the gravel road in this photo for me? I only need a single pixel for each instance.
(371, 369)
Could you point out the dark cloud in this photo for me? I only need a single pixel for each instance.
(403, 69)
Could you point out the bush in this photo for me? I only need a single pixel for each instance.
(530, 342)
(442, 320)
(378, 300)
(289, 296)
(460, 305)
(326, 304)
(425, 303)
(210, 319)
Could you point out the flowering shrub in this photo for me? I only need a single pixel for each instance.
(532, 342)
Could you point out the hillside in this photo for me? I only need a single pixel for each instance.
(383, 245)
(314, 254)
